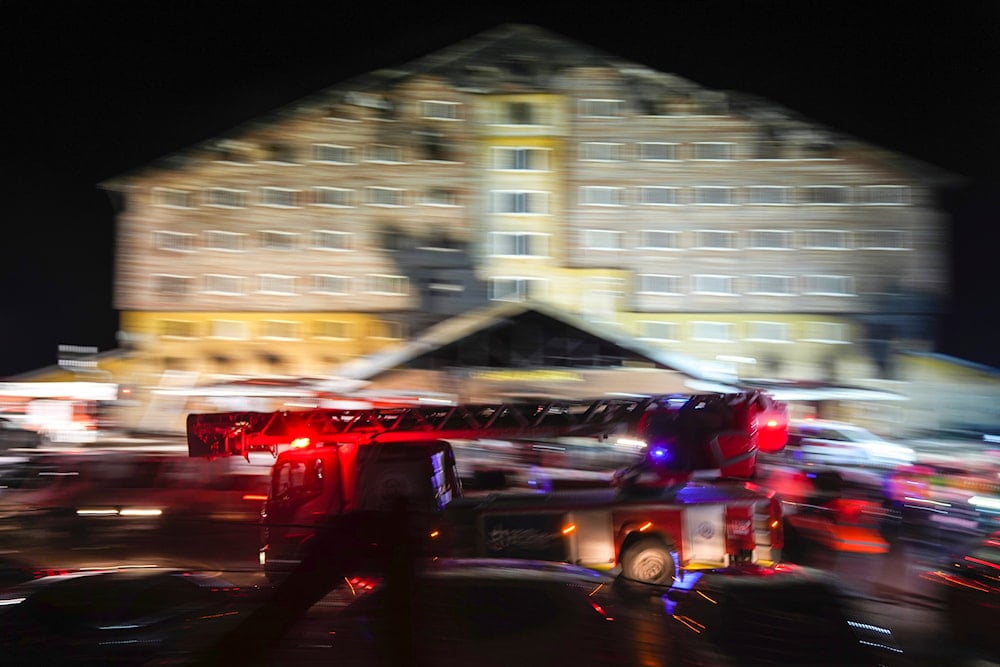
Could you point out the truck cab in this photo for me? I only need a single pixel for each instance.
(311, 483)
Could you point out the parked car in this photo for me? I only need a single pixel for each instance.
(15, 571)
(946, 500)
(13, 436)
(828, 509)
(839, 443)
(780, 615)
(970, 588)
(114, 617)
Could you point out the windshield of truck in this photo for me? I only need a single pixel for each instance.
(297, 479)
(419, 474)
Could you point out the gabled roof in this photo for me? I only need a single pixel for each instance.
(518, 57)
(565, 341)
(468, 63)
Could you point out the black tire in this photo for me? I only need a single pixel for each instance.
(650, 561)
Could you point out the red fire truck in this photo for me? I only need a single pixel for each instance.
(688, 503)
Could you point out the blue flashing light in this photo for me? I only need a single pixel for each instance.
(659, 453)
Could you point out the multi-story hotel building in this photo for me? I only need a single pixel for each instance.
(520, 165)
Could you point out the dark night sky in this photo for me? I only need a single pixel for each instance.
(95, 89)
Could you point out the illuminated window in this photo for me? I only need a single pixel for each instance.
(771, 284)
(515, 288)
(713, 195)
(333, 154)
(388, 284)
(326, 239)
(828, 285)
(713, 284)
(274, 240)
(519, 244)
(230, 329)
(658, 239)
(281, 329)
(378, 196)
(389, 329)
(440, 110)
(172, 198)
(657, 151)
(216, 283)
(601, 108)
(335, 197)
(279, 197)
(226, 197)
(330, 284)
(657, 330)
(166, 284)
(174, 241)
(602, 239)
(528, 159)
(333, 329)
(711, 331)
(272, 283)
(228, 241)
(654, 283)
(885, 195)
(659, 195)
(600, 195)
(713, 150)
(711, 239)
(519, 202)
(826, 194)
(769, 194)
(771, 332)
(827, 332)
(771, 239)
(384, 153)
(601, 151)
(826, 239)
(882, 239)
(178, 328)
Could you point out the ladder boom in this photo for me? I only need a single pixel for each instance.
(236, 433)
(709, 430)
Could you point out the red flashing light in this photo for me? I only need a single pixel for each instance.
(300, 443)
(772, 433)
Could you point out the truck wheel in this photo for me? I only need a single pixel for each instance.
(650, 561)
